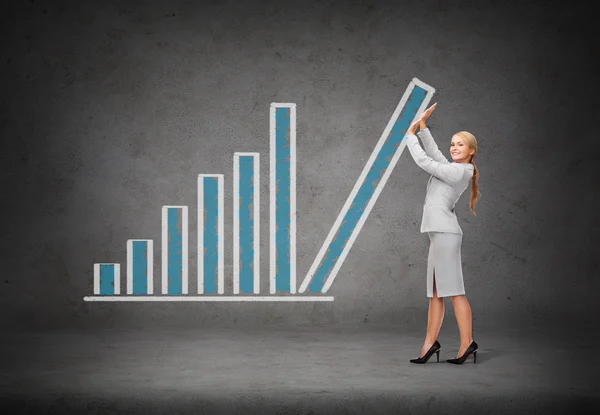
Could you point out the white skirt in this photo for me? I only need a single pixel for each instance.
(445, 260)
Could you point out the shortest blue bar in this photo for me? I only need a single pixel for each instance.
(107, 279)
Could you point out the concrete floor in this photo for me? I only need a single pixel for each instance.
(291, 370)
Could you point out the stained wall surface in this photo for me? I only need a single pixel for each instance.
(110, 110)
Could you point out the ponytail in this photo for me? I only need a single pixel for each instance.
(475, 194)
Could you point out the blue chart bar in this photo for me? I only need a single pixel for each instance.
(107, 279)
(283, 197)
(174, 250)
(140, 266)
(367, 189)
(246, 223)
(210, 234)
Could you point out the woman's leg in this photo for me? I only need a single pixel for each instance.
(462, 311)
(434, 319)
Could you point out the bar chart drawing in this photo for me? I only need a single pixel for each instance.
(246, 282)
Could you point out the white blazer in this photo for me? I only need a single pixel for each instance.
(447, 182)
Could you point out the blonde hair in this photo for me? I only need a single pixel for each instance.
(475, 194)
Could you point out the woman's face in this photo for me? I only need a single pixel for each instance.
(460, 150)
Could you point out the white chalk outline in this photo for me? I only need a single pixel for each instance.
(220, 231)
(340, 260)
(272, 196)
(149, 270)
(236, 221)
(117, 277)
(184, 248)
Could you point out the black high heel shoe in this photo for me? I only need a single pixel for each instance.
(471, 349)
(435, 348)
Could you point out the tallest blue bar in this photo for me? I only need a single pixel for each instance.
(358, 201)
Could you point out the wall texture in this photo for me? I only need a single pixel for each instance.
(110, 110)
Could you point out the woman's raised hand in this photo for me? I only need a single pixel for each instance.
(413, 127)
(426, 115)
(420, 122)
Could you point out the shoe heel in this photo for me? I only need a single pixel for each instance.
(474, 357)
(437, 354)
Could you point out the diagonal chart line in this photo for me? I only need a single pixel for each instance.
(367, 189)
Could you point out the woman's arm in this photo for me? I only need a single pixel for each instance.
(430, 146)
(443, 170)
(450, 173)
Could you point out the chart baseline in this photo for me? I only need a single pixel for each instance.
(187, 298)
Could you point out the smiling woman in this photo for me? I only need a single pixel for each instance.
(444, 267)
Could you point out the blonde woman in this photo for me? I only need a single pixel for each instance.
(444, 269)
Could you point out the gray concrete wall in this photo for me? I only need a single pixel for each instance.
(111, 110)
